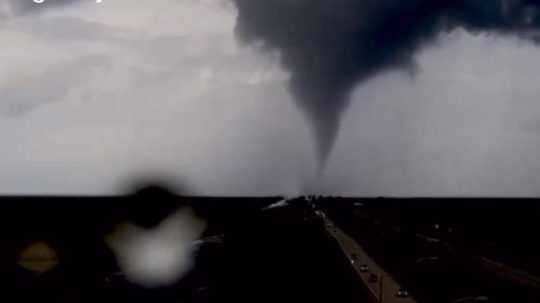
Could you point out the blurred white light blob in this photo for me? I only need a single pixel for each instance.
(160, 256)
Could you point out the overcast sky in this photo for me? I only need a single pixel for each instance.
(93, 96)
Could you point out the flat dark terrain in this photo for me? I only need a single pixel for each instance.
(279, 255)
(436, 248)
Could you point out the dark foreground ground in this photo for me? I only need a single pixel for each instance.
(441, 250)
(444, 250)
(279, 255)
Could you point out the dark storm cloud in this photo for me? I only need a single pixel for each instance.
(332, 45)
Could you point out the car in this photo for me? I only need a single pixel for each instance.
(354, 258)
(372, 278)
(363, 268)
(402, 293)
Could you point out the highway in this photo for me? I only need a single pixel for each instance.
(386, 288)
(444, 257)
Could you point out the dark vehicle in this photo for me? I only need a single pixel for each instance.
(402, 293)
(373, 278)
(364, 268)
(354, 258)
